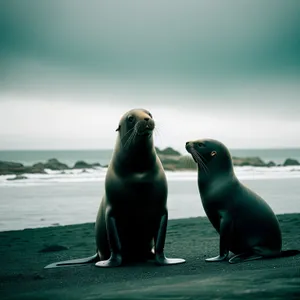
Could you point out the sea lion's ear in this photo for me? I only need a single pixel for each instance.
(213, 153)
(118, 129)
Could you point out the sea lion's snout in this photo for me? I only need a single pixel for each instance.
(188, 146)
(145, 126)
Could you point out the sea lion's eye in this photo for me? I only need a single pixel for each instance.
(150, 115)
(130, 119)
(213, 153)
(200, 144)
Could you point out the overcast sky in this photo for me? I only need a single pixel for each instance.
(228, 70)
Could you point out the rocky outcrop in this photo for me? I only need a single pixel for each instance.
(167, 151)
(8, 168)
(248, 161)
(83, 165)
(54, 164)
(271, 164)
(291, 162)
(171, 159)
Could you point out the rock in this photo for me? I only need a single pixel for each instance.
(187, 163)
(83, 165)
(173, 163)
(167, 151)
(271, 164)
(291, 162)
(54, 164)
(18, 177)
(96, 165)
(248, 161)
(7, 168)
(37, 168)
(169, 163)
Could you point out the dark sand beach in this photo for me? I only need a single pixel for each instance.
(22, 261)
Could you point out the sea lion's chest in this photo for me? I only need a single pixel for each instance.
(137, 190)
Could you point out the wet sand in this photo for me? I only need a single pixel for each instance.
(22, 273)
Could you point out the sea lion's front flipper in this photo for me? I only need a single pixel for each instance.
(159, 239)
(72, 262)
(115, 259)
(247, 256)
(225, 233)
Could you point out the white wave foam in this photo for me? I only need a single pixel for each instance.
(98, 175)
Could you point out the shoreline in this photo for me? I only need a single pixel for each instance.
(66, 203)
(90, 222)
(22, 261)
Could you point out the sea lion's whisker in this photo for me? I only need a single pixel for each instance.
(127, 142)
(157, 133)
(198, 158)
(126, 134)
(204, 159)
(205, 168)
(204, 162)
(132, 137)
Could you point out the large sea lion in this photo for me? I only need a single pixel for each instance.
(247, 225)
(133, 212)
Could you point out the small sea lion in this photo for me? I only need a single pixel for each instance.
(246, 223)
(133, 212)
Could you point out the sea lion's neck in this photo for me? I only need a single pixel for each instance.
(137, 157)
(213, 183)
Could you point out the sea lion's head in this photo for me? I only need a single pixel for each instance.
(210, 155)
(134, 126)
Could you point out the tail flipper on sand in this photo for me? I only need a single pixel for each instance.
(287, 253)
(243, 257)
(71, 262)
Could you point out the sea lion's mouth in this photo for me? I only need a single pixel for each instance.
(191, 150)
(145, 128)
(146, 132)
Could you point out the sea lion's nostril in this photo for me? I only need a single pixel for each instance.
(146, 119)
(186, 144)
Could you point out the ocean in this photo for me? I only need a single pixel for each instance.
(69, 157)
(73, 196)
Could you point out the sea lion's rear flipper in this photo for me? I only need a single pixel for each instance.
(71, 262)
(252, 256)
(247, 256)
(287, 253)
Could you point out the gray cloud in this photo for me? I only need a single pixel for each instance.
(167, 38)
(231, 60)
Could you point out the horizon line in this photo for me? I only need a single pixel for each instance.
(160, 148)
